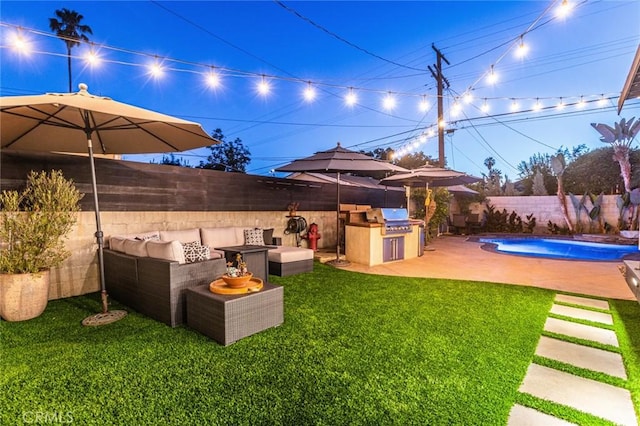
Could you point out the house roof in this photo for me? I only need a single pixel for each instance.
(631, 88)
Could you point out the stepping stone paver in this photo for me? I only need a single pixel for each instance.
(583, 314)
(581, 331)
(582, 356)
(525, 416)
(599, 399)
(584, 301)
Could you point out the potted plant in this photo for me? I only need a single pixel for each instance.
(34, 224)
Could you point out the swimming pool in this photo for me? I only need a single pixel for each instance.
(561, 249)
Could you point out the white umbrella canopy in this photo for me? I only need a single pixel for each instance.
(340, 160)
(71, 122)
(60, 122)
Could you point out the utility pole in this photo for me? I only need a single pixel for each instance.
(441, 80)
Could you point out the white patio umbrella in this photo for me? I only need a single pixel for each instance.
(340, 160)
(75, 122)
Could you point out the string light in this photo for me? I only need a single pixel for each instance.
(156, 70)
(537, 106)
(564, 9)
(492, 77)
(581, 103)
(264, 87)
(603, 101)
(351, 99)
(389, 102)
(514, 105)
(560, 105)
(456, 109)
(213, 79)
(485, 106)
(522, 49)
(92, 58)
(424, 104)
(309, 92)
(19, 43)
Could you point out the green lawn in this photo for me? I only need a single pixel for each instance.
(354, 349)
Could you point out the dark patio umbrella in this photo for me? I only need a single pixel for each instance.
(72, 122)
(428, 175)
(340, 160)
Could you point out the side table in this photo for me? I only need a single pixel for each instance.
(228, 318)
(256, 257)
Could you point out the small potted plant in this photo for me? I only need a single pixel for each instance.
(33, 226)
(237, 274)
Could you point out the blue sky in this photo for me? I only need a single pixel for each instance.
(375, 48)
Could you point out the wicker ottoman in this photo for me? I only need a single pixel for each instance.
(285, 260)
(227, 318)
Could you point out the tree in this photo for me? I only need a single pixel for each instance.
(172, 160)
(69, 29)
(229, 156)
(541, 163)
(620, 138)
(595, 172)
(414, 160)
(493, 180)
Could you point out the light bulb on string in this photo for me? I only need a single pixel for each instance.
(423, 138)
(485, 106)
(19, 43)
(351, 99)
(467, 97)
(560, 105)
(309, 92)
(456, 109)
(264, 87)
(581, 103)
(431, 133)
(389, 102)
(492, 77)
(424, 104)
(537, 106)
(213, 78)
(514, 105)
(602, 101)
(522, 49)
(564, 9)
(156, 70)
(92, 58)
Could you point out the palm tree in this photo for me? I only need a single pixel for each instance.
(620, 139)
(68, 28)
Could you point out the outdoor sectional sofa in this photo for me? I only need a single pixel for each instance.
(150, 271)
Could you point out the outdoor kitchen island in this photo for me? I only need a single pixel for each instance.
(386, 235)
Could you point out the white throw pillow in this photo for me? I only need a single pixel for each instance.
(254, 237)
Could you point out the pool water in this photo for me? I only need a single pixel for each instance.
(562, 249)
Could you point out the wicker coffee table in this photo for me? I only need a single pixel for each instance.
(229, 318)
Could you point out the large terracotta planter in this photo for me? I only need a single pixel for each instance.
(23, 296)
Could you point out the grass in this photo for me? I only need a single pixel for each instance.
(354, 349)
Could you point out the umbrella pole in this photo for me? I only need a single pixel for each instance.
(337, 261)
(106, 316)
(99, 235)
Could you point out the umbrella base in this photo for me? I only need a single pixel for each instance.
(338, 263)
(104, 318)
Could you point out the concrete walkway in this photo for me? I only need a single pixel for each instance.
(587, 395)
(454, 257)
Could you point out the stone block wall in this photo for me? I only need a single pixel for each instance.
(547, 208)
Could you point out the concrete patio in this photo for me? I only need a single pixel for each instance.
(454, 257)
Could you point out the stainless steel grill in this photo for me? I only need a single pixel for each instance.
(395, 221)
